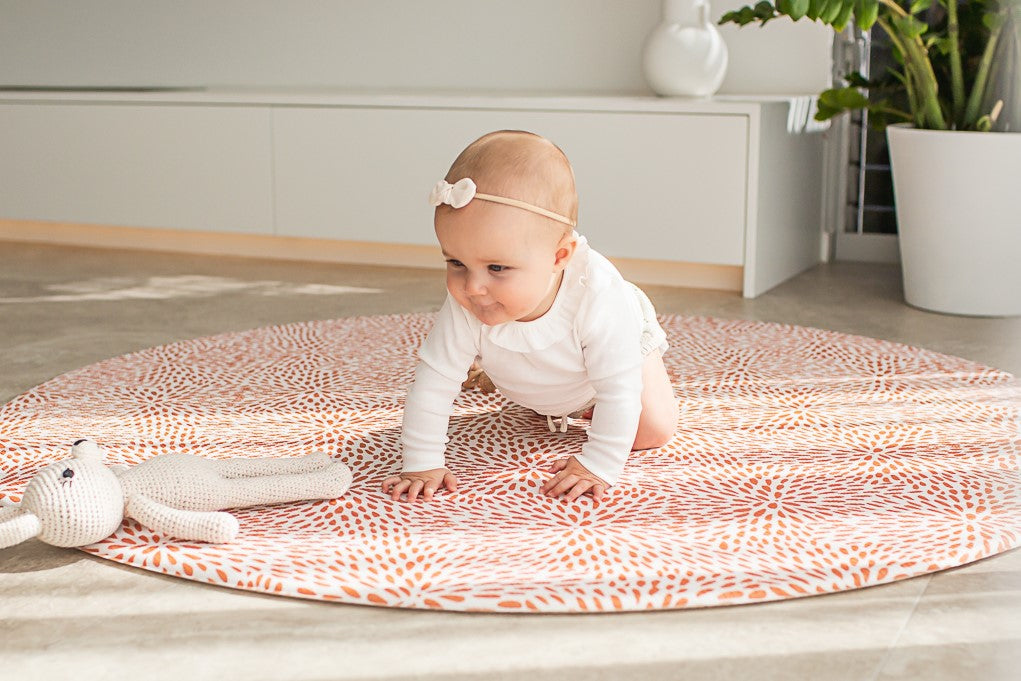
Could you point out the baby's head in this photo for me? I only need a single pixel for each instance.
(504, 218)
(520, 165)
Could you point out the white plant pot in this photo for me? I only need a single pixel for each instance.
(958, 197)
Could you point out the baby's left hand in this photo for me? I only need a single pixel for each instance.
(574, 479)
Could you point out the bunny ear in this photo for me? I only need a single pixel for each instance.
(86, 449)
(17, 527)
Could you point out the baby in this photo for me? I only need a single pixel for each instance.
(550, 321)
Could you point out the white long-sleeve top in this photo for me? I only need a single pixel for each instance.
(587, 346)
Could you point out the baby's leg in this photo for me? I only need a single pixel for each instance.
(659, 406)
(250, 468)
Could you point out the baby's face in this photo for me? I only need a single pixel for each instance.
(503, 263)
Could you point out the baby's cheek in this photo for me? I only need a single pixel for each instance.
(453, 283)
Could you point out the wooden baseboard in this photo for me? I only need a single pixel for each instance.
(684, 274)
(221, 243)
(656, 272)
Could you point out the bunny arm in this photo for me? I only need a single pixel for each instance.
(16, 526)
(209, 526)
(9, 509)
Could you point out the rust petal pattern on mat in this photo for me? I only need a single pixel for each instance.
(805, 462)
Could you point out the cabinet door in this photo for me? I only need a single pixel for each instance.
(659, 186)
(186, 167)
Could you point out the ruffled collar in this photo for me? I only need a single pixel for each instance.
(558, 321)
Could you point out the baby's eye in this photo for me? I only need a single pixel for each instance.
(498, 268)
(455, 263)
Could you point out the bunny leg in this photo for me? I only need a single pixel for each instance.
(325, 483)
(250, 468)
(209, 526)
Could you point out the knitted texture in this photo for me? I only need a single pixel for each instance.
(79, 501)
(201, 484)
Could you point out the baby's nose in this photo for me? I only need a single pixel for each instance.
(475, 285)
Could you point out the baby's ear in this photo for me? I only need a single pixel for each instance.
(565, 250)
(86, 449)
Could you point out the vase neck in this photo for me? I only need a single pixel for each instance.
(685, 11)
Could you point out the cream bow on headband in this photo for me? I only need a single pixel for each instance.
(461, 193)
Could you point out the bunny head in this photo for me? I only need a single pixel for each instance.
(73, 502)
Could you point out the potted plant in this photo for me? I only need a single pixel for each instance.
(954, 130)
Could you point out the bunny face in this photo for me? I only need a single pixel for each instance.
(77, 501)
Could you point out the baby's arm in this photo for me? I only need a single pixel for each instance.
(445, 357)
(614, 424)
(424, 437)
(611, 349)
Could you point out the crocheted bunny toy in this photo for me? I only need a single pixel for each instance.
(79, 501)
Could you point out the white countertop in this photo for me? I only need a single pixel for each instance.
(327, 97)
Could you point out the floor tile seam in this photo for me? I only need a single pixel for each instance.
(900, 632)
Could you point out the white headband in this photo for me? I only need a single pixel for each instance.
(461, 193)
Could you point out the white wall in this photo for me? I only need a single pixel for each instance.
(565, 46)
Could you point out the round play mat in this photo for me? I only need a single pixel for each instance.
(805, 462)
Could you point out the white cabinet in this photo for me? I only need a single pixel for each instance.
(174, 166)
(716, 192)
(650, 186)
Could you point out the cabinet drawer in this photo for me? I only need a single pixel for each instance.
(185, 167)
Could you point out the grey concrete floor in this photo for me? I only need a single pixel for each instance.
(64, 614)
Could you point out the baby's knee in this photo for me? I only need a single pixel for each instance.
(656, 430)
(653, 438)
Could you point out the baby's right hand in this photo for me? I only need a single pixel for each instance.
(419, 482)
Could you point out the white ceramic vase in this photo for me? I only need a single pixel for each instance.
(959, 219)
(685, 54)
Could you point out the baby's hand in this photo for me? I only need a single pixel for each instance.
(419, 482)
(574, 479)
